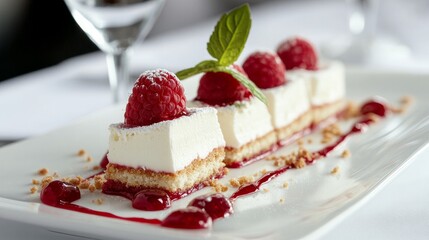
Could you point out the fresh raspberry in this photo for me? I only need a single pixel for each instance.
(265, 69)
(220, 89)
(297, 53)
(157, 96)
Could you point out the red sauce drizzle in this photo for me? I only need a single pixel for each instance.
(255, 186)
(290, 140)
(77, 208)
(193, 217)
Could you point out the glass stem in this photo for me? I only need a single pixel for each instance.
(117, 66)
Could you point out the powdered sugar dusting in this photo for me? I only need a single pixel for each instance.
(152, 75)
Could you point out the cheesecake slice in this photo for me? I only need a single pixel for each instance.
(326, 89)
(287, 100)
(245, 120)
(177, 154)
(325, 81)
(247, 130)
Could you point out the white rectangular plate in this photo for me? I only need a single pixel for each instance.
(314, 201)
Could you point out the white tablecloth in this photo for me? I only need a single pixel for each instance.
(41, 101)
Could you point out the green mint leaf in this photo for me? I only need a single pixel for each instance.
(204, 66)
(245, 81)
(230, 35)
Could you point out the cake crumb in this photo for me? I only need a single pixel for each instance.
(266, 190)
(335, 170)
(91, 188)
(75, 181)
(330, 132)
(245, 180)
(263, 171)
(218, 187)
(65, 179)
(34, 189)
(89, 159)
(282, 200)
(43, 171)
(309, 141)
(406, 100)
(300, 142)
(374, 117)
(285, 185)
(98, 182)
(98, 201)
(81, 152)
(96, 167)
(35, 182)
(352, 110)
(55, 175)
(300, 163)
(238, 182)
(46, 180)
(345, 154)
(84, 184)
(405, 103)
(234, 182)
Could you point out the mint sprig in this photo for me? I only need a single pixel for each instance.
(230, 35)
(225, 45)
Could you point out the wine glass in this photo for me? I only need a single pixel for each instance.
(114, 26)
(365, 45)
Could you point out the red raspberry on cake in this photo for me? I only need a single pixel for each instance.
(265, 69)
(157, 96)
(244, 119)
(219, 88)
(297, 53)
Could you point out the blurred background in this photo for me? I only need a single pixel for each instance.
(46, 57)
(38, 34)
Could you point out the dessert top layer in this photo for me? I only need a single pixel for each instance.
(242, 121)
(287, 102)
(167, 146)
(325, 85)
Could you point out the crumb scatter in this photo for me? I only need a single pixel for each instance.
(98, 201)
(285, 185)
(345, 154)
(34, 189)
(335, 170)
(43, 171)
(81, 153)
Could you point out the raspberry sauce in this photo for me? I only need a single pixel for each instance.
(151, 200)
(216, 205)
(374, 106)
(188, 218)
(59, 192)
(104, 162)
(201, 212)
(246, 189)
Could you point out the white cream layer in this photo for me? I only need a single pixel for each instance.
(287, 102)
(325, 85)
(242, 122)
(168, 146)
